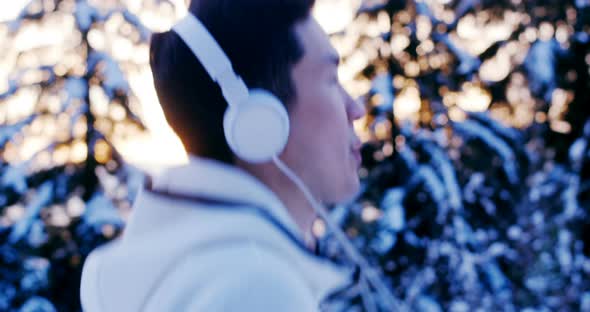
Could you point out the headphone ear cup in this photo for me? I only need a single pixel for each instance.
(228, 121)
(257, 129)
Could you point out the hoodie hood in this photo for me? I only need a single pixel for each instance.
(123, 274)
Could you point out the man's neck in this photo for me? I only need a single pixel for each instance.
(292, 198)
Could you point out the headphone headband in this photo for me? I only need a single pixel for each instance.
(214, 60)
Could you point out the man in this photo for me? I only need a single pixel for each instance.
(222, 233)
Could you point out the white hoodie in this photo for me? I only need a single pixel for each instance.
(185, 255)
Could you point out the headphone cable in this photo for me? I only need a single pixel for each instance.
(372, 277)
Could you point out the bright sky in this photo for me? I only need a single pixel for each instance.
(160, 147)
(9, 9)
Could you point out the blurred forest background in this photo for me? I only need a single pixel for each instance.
(476, 164)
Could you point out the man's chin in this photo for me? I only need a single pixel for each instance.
(351, 192)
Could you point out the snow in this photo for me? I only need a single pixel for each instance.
(441, 162)
(576, 152)
(36, 274)
(472, 130)
(114, 79)
(12, 88)
(540, 63)
(8, 132)
(537, 283)
(382, 86)
(84, 15)
(467, 63)
(76, 87)
(136, 22)
(463, 232)
(581, 4)
(23, 226)
(100, 211)
(37, 304)
(585, 302)
(582, 37)
(484, 228)
(15, 177)
(495, 276)
(384, 242)
(392, 205)
(434, 185)
(427, 304)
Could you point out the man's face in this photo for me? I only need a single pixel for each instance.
(322, 148)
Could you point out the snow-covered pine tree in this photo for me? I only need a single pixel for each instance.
(64, 188)
(468, 201)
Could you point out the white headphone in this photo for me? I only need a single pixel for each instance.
(256, 126)
(256, 123)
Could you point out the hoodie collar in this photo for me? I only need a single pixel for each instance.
(215, 180)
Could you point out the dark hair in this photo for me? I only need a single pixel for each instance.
(257, 35)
